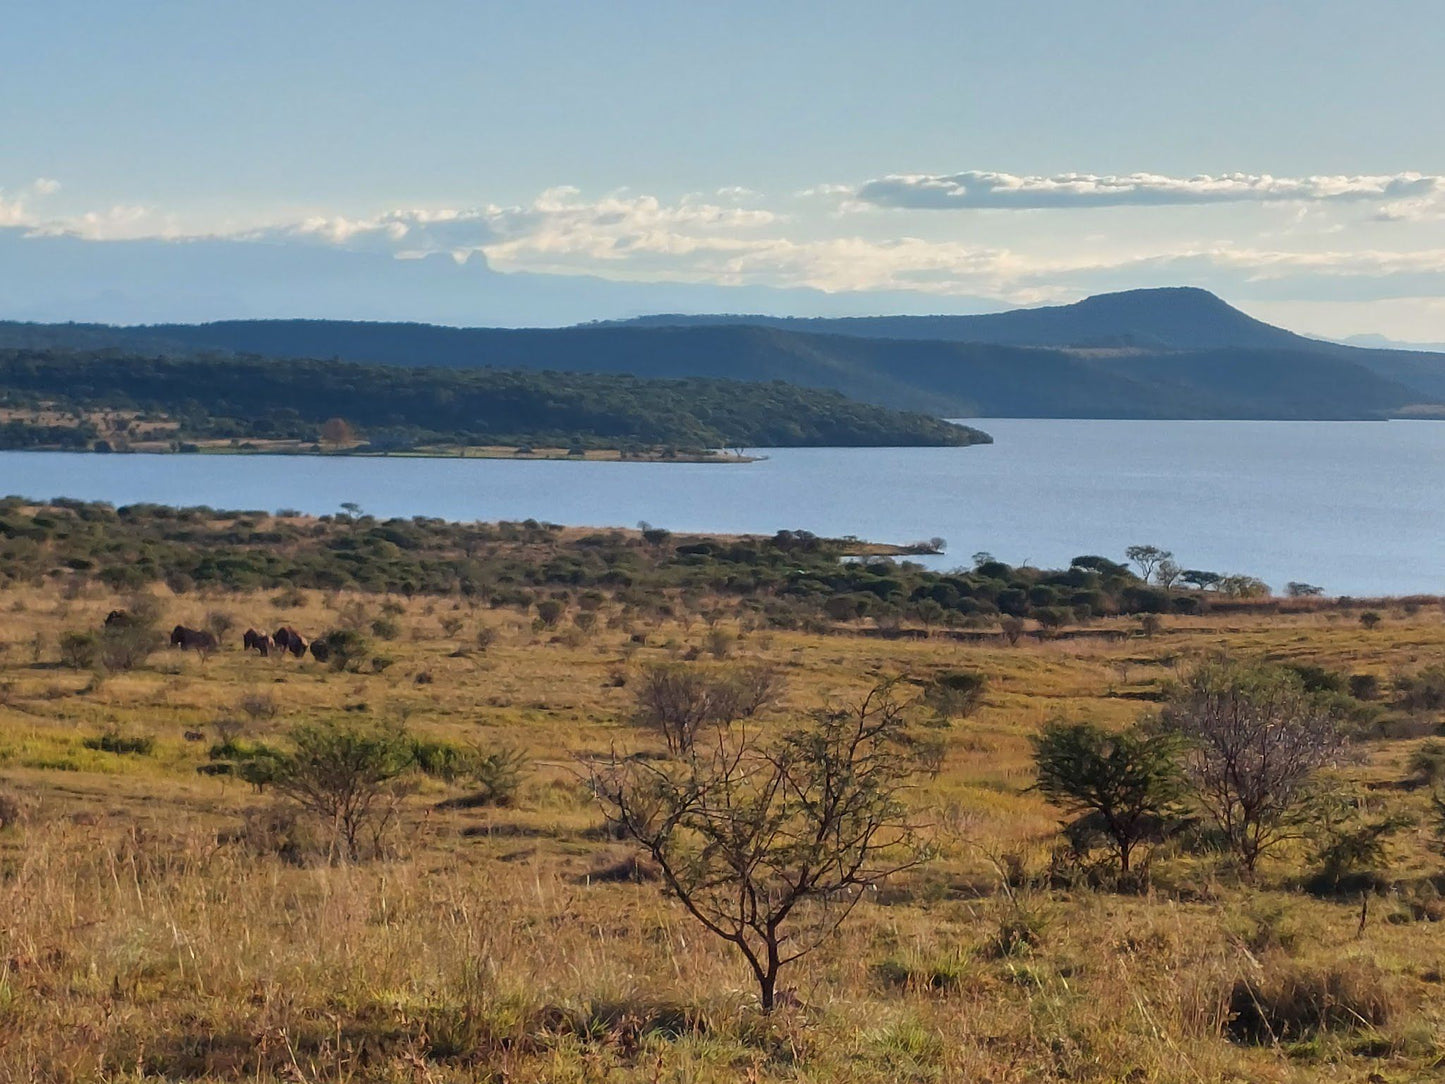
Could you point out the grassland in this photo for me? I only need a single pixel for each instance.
(141, 938)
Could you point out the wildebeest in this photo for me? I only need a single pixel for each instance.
(119, 619)
(192, 639)
(258, 640)
(321, 650)
(288, 639)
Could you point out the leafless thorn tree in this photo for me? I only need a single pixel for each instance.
(770, 844)
(1254, 738)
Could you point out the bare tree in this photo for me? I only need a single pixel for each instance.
(757, 688)
(770, 845)
(678, 701)
(1167, 573)
(1254, 738)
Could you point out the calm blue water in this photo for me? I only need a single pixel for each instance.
(1355, 507)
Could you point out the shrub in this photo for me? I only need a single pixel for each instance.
(549, 612)
(279, 829)
(1424, 691)
(258, 706)
(345, 649)
(343, 775)
(1348, 841)
(12, 812)
(1364, 686)
(679, 701)
(1287, 1002)
(290, 599)
(493, 777)
(719, 643)
(127, 647)
(956, 694)
(385, 628)
(80, 650)
(756, 688)
(1369, 619)
(112, 741)
(218, 623)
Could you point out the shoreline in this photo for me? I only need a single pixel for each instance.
(488, 452)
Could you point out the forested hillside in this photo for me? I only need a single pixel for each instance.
(393, 407)
(1143, 354)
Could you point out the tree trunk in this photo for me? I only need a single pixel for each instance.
(768, 984)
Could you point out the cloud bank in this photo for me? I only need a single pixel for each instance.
(1336, 238)
(977, 189)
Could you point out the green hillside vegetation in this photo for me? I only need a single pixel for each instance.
(399, 407)
(789, 580)
(1178, 353)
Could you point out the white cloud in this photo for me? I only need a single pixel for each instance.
(14, 211)
(988, 190)
(728, 238)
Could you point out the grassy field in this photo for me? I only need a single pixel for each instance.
(142, 936)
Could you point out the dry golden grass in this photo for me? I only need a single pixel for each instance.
(134, 945)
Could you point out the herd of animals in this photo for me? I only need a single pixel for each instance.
(285, 640)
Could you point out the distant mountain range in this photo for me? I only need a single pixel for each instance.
(1158, 353)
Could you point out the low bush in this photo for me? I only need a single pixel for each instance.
(112, 741)
(12, 810)
(1287, 1002)
(956, 694)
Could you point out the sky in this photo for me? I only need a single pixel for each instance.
(792, 157)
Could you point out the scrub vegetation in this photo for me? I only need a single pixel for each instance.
(573, 794)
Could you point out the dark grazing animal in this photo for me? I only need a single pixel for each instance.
(258, 640)
(119, 619)
(192, 639)
(321, 650)
(288, 639)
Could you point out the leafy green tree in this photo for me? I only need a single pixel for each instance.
(1200, 579)
(343, 775)
(1148, 559)
(1129, 780)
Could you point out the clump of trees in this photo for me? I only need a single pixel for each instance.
(1238, 744)
(769, 843)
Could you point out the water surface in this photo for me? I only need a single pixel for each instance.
(1354, 507)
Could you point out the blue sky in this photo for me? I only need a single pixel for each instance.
(909, 155)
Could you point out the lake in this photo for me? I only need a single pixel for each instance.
(1355, 507)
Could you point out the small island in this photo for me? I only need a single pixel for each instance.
(109, 401)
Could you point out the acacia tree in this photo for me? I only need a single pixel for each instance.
(344, 774)
(769, 845)
(1148, 559)
(1167, 572)
(1127, 782)
(1254, 737)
